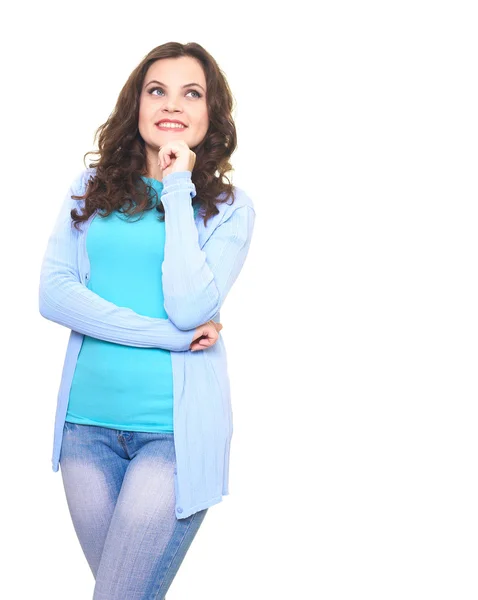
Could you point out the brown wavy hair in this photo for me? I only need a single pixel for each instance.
(117, 182)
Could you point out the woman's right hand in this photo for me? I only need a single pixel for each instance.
(205, 336)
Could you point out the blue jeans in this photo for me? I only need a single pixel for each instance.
(119, 487)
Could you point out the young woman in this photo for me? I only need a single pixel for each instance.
(144, 421)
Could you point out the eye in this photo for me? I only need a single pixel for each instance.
(160, 88)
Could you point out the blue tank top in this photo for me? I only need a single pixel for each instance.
(117, 386)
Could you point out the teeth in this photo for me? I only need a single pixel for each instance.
(171, 125)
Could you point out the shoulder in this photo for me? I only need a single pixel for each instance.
(80, 182)
(240, 205)
(87, 174)
(241, 199)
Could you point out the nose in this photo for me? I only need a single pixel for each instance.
(171, 105)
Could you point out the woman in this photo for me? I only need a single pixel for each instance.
(144, 421)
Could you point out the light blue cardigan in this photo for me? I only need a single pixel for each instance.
(199, 268)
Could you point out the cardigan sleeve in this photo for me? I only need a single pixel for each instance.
(196, 281)
(68, 302)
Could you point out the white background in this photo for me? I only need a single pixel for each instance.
(352, 330)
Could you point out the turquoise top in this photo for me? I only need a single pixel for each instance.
(114, 385)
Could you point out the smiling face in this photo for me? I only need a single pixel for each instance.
(169, 93)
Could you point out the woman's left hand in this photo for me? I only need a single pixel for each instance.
(176, 156)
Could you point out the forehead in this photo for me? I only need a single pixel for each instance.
(176, 71)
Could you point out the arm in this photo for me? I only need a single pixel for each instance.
(65, 300)
(196, 281)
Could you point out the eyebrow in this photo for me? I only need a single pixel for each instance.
(184, 86)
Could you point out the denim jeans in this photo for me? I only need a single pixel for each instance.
(119, 487)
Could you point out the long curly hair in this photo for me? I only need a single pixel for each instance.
(117, 183)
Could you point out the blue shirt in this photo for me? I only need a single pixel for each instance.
(201, 263)
(125, 387)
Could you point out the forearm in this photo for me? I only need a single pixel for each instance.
(188, 282)
(197, 280)
(69, 303)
